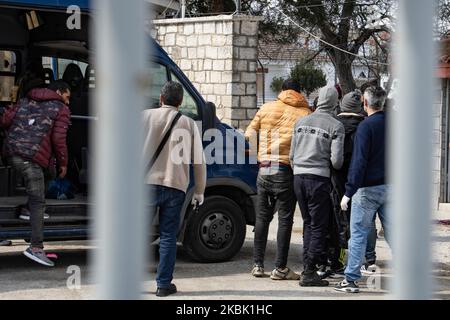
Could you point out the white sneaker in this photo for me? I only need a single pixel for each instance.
(368, 270)
(25, 215)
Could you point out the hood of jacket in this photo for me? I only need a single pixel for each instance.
(350, 121)
(44, 94)
(328, 99)
(293, 98)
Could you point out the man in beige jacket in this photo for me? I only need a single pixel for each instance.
(168, 176)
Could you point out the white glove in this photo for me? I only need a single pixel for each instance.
(344, 203)
(200, 198)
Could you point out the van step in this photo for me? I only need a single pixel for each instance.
(72, 219)
(57, 209)
(56, 232)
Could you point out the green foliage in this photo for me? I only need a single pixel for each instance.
(199, 7)
(308, 77)
(277, 83)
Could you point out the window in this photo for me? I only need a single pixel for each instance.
(158, 77)
(55, 68)
(7, 76)
(189, 106)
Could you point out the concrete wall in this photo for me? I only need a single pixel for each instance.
(218, 54)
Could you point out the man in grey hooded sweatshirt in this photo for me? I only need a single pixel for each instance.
(317, 144)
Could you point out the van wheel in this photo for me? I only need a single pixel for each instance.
(216, 233)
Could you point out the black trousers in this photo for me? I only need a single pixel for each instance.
(313, 196)
(275, 192)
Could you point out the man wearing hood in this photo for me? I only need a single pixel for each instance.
(317, 141)
(36, 129)
(273, 125)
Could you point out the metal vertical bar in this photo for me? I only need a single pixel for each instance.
(238, 6)
(183, 9)
(444, 173)
(120, 58)
(410, 152)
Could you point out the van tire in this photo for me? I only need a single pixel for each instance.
(202, 242)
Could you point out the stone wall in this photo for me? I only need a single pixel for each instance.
(218, 54)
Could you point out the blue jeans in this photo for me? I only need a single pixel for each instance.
(167, 203)
(371, 254)
(365, 204)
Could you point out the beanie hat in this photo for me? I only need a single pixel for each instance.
(351, 102)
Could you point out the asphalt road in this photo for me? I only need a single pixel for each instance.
(21, 278)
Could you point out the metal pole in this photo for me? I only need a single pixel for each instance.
(183, 9)
(238, 6)
(410, 152)
(120, 58)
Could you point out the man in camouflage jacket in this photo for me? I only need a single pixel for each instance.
(36, 130)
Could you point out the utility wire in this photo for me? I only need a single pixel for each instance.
(327, 43)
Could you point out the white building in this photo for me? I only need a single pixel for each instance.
(277, 60)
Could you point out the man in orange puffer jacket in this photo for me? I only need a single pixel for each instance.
(273, 125)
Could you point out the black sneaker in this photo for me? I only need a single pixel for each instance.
(369, 268)
(164, 292)
(337, 274)
(25, 214)
(347, 286)
(312, 279)
(322, 271)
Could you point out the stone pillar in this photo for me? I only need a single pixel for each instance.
(218, 54)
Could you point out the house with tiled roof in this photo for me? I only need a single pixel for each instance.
(276, 60)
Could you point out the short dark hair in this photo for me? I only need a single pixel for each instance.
(59, 85)
(291, 84)
(172, 93)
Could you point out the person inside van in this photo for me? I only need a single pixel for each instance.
(36, 126)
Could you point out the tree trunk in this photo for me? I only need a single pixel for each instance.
(217, 6)
(343, 67)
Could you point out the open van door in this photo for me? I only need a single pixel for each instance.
(45, 40)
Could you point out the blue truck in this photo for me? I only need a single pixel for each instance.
(33, 31)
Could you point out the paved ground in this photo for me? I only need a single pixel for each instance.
(22, 279)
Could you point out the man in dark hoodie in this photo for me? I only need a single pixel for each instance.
(354, 113)
(317, 141)
(350, 116)
(36, 128)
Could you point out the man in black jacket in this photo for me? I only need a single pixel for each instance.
(350, 116)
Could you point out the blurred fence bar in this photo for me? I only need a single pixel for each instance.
(410, 150)
(120, 57)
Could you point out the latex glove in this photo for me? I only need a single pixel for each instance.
(199, 198)
(344, 203)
